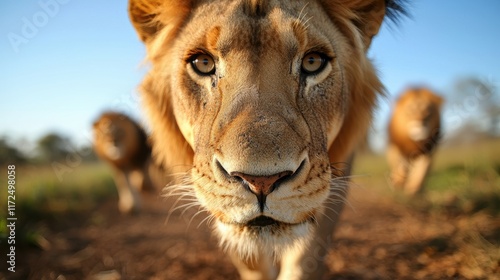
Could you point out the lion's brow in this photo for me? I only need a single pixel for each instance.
(256, 8)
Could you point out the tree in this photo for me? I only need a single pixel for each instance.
(479, 100)
(10, 154)
(53, 147)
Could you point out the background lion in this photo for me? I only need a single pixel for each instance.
(414, 132)
(122, 143)
(257, 100)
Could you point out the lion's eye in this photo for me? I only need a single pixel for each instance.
(203, 64)
(313, 63)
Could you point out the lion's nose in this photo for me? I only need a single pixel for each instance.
(258, 181)
(262, 185)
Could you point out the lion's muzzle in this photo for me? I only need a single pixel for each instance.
(260, 148)
(260, 185)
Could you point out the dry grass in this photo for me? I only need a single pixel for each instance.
(455, 223)
(41, 195)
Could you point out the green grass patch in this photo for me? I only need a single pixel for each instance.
(465, 188)
(464, 179)
(39, 189)
(43, 194)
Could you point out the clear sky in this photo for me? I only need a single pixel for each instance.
(65, 61)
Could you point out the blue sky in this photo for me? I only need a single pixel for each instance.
(64, 62)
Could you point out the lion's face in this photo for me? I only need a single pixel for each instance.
(108, 136)
(420, 110)
(115, 138)
(259, 110)
(266, 94)
(415, 124)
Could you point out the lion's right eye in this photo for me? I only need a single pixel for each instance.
(313, 63)
(203, 64)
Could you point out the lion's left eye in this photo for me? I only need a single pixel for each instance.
(203, 64)
(313, 63)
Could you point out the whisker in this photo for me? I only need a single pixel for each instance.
(183, 193)
(196, 214)
(183, 197)
(302, 16)
(325, 215)
(188, 206)
(302, 11)
(207, 219)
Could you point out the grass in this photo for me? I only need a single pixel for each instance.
(39, 189)
(467, 179)
(462, 180)
(41, 194)
(463, 186)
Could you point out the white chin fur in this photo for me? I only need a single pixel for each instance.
(417, 131)
(113, 152)
(248, 243)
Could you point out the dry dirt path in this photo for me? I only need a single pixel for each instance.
(377, 239)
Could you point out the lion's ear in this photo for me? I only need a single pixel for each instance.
(150, 16)
(370, 15)
(365, 15)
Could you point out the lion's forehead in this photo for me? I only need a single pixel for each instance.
(111, 129)
(418, 105)
(257, 36)
(278, 30)
(249, 48)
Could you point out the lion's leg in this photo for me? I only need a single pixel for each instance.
(128, 196)
(147, 181)
(141, 180)
(136, 178)
(309, 263)
(262, 268)
(398, 165)
(418, 170)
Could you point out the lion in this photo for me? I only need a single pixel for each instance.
(414, 133)
(123, 144)
(262, 104)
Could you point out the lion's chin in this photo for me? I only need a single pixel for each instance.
(264, 235)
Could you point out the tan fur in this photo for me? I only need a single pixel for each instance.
(120, 142)
(414, 132)
(259, 117)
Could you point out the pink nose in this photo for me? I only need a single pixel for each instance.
(261, 185)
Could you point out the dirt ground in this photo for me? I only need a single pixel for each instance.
(377, 239)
